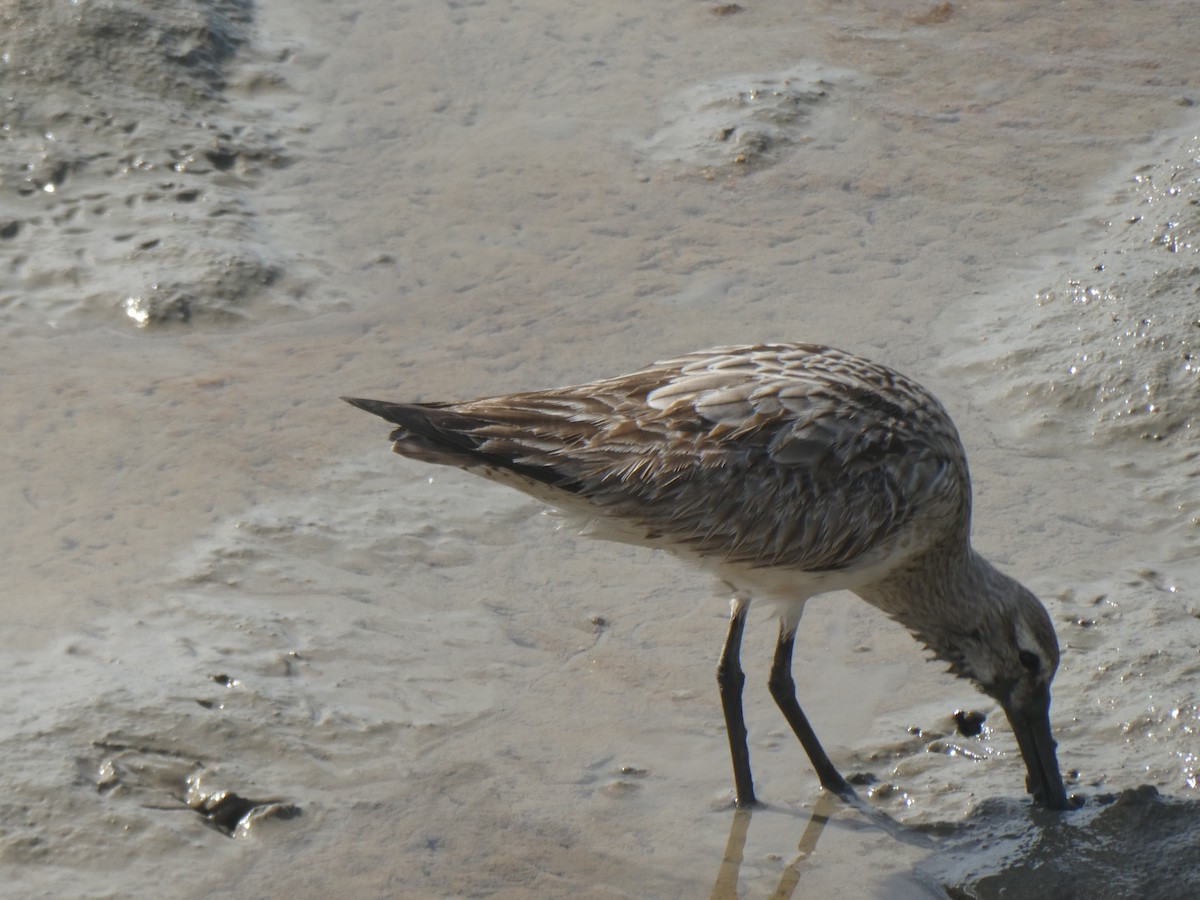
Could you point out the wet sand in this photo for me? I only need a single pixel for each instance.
(219, 579)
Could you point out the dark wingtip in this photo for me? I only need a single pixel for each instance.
(377, 407)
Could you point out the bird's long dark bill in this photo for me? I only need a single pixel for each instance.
(1032, 729)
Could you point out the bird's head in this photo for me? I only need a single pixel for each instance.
(1012, 655)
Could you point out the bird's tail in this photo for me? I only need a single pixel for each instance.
(441, 434)
(427, 431)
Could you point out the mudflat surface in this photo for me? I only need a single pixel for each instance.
(249, 651)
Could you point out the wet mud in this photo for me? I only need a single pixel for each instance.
(133, 140)
(243, 637)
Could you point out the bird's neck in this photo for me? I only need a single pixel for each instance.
(937, 591)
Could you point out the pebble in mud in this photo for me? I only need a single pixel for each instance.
(627, 782)
(137, 768)
(969, 722)
(229, 812)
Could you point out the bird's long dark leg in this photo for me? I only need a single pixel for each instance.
(730, 680)
(783, 689)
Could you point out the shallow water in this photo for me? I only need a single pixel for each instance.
(411, 683)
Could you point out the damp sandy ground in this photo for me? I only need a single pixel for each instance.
(250, 652)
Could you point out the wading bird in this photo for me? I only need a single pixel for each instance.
(788, 470)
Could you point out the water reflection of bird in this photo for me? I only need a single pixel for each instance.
(788, 470)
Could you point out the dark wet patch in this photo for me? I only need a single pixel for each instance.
(229, 812)
(162, 778)
(969, 722)
(1136, 844)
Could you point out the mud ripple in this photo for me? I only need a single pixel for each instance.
(748, 121)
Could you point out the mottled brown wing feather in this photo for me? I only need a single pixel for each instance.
(772, 455)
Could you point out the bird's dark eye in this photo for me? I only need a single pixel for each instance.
(1030, 661)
